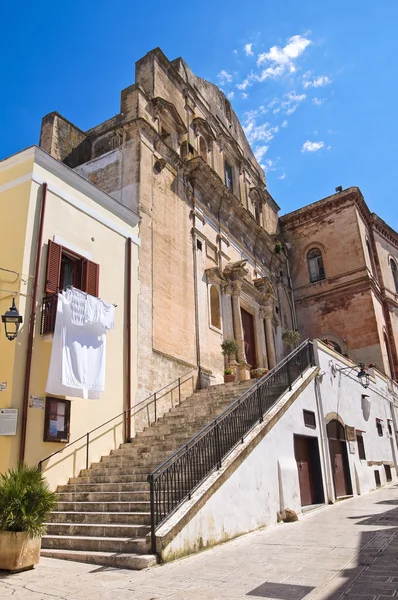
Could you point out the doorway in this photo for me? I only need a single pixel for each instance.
(339, 459)
(248, 337)
(306, 452)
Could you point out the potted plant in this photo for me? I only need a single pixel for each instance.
(258, 373)
(278, 247)
(229, 347)
(290, 337)
(25, 503)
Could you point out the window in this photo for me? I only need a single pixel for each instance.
(377, 478)
(57, 420)
(229, 176)
(394, 271)
(379, 427)
(389, 427)
(315, 265)
(309, 419)
(387, 470)
(186, 150)
(361, 446)
(203, 148)
(199, 244)
(215, 313)
(65, 267)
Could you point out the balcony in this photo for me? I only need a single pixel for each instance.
(48, 314)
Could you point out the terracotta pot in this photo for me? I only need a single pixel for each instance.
(229, 378)
(18, 551)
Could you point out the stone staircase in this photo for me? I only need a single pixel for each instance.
(103, 516)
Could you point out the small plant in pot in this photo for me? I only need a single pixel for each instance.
(25, 504)
(229, 348)
(290, 337)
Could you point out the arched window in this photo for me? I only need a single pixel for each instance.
(203, 148)
(335, 430)
(315, 265)
(215, 313)
(394, 271)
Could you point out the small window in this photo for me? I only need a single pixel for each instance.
(387, 470)
(57, 420)
(309, 419)
(315, 265)
(199, 244)
(203, 148)
(389, 427)
(377, 478)
(215, 313)
(361, 446)
(379, 427)
(229, 176)
(394, 272)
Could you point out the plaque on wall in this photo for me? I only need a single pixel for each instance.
(8, 421)
(350, 434)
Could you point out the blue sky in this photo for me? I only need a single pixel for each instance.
(319, 95)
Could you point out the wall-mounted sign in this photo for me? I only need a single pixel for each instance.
(8, 421)
(351, 446)
(3, 386)
(36, 402)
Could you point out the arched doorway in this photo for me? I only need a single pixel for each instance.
(339, 459)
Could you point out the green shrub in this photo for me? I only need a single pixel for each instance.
(25, 500)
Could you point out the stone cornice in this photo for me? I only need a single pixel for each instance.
(385, 230)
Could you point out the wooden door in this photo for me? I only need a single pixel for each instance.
(302, 451)
(248, 336)
(337, 458)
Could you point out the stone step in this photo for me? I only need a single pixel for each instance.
(95, 544)
(110, 469)
(88, 476)
(100, 518)
(139, 486)
(102, 496)
(97, 530)
(102, 506)
(108, 559)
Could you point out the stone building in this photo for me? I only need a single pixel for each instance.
(344, 268)
(209, 262)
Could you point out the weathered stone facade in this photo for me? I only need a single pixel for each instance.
(353, 301)
(178, 156)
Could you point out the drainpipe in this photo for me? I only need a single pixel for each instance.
(195, 287)
(322, 431)
(128, 324)
(28, 368)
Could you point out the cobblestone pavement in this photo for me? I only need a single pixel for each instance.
(348, 551)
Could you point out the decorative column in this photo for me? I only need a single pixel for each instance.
(228, 324)
(268, 310)
(260, 339)
(244, 368)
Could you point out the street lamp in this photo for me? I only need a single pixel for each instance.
(12, 320)
(362, 375)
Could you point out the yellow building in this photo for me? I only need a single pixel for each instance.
(59, 228)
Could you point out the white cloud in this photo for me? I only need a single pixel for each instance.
(320, 81)
(276, 110)
(259, 152)
(242, 86)
(291, 110)
(281, 60)
(234, 51)
(244, 95)
(259, 133)
(231, 95)
(283, 176)
(273, 103)
(329, 147)
(291, 101)
(312, 146)
(224, 77)
(248, 50)
(318, 101)
(284, 124)
(269, 165)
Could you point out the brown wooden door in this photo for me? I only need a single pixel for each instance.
(337, 457)
(302, 451)
(248, 336)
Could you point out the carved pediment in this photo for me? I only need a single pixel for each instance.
(168, 110)
(265, 287)
(214, 275)
(236, 271)
(202, 127)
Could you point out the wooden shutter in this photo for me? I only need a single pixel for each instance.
(54, 256)
(91, 278)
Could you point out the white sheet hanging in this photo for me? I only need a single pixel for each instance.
(77, 365)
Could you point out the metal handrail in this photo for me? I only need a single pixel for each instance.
(136, 409)
(175, 479)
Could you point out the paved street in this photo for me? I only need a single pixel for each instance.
(347, 551)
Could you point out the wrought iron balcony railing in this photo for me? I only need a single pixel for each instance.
(48, 313)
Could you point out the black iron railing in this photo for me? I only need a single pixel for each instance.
(48, 314)
(177, 477)
(151, 405)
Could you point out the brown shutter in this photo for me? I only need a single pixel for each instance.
(54, 256)
(91, 278)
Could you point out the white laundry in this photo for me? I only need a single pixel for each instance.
(77, 301)
(77, 365)
(98, 311)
